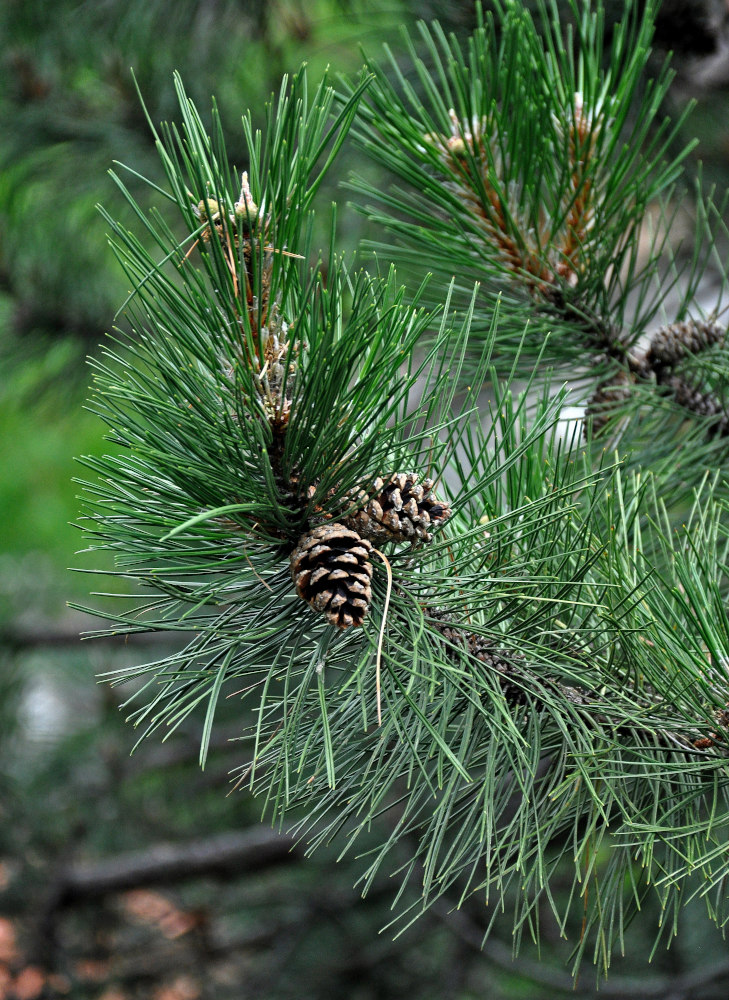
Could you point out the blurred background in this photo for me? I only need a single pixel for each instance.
(121, 876)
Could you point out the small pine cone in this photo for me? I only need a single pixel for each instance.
(692, 397)
(606, 397)
(499, 661)
(671, 344)
(332, 572)
(440, 619)
(721, 717)
(401, 510)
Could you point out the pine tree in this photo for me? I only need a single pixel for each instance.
(504, 631)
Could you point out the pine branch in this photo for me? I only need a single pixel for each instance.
(617, 988)
(545, 208)
(474, 622)
(516, 678)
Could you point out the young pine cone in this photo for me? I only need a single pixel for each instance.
(401, 510)
(332, 572)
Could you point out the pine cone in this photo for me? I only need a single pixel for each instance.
(606, 398)
(332, 572)
(673, 343)
(703, 403)
(401, 510)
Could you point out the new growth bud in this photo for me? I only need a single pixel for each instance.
(246, 209)
(209, 209)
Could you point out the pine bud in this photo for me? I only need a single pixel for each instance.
(457, 147)
(209, 208)
(246, 210)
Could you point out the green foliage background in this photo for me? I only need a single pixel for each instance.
(68, 790)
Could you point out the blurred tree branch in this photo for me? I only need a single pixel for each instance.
(218, 855)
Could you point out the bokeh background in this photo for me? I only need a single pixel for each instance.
(139, 876)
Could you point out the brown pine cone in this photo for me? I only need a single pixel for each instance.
(607, 397)
(672, 343)
(401, 510)
(704, 404)
(332, 572)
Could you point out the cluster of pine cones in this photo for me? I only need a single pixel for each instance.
(331, 564)
(660, 363)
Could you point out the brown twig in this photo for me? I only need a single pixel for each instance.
(518, 681)
(681, 987)
(581, 131)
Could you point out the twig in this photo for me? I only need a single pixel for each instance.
(516, 680)
(17, 637)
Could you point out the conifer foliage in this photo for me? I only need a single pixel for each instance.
(454, 614)
(536, 160)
